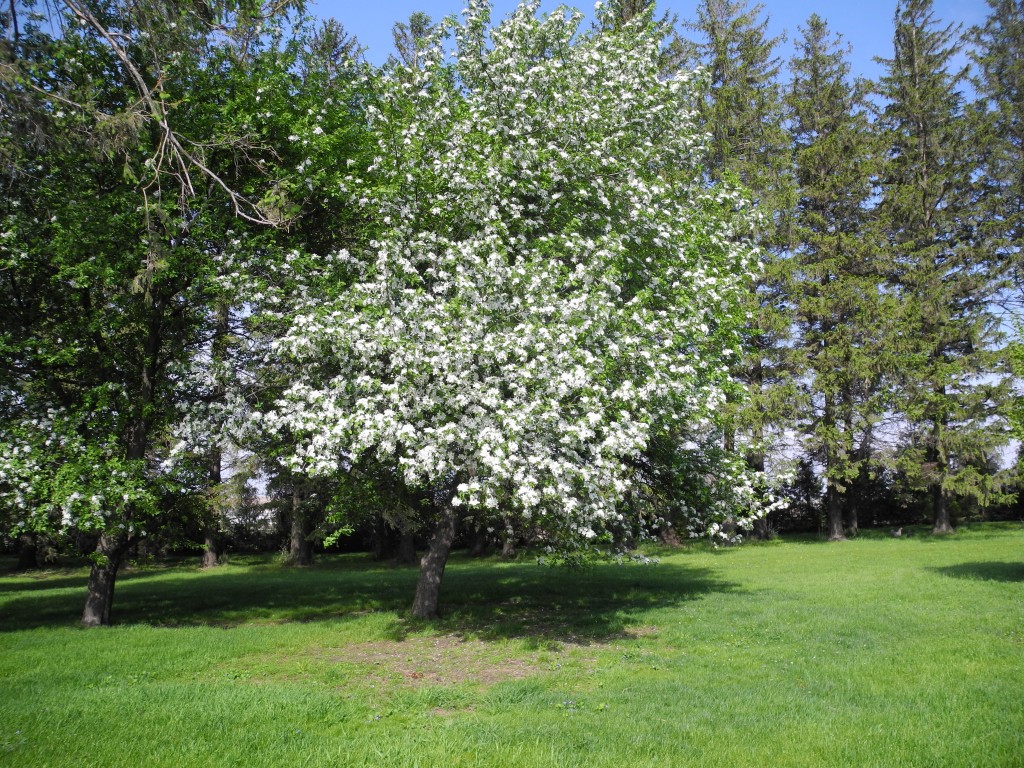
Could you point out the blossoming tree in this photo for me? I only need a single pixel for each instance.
(551, 281)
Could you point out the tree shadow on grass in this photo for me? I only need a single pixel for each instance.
(543, 605)
(33, 581)
(485, 600)
(994, 571)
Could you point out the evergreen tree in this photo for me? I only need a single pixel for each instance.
(839, 307)
(939, 266)
(410, 38)
(743, 112)
(1000, 83)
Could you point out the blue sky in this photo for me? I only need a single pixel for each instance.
(865, 24)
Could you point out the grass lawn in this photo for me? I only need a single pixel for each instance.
(874, 652)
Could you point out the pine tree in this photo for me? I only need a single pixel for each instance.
(743, 112)
(940, 268)
(835, 280)
(1000, 83)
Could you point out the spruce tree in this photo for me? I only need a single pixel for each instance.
(743, 112)
(940, 268)
(1000, 84)
(835, 285)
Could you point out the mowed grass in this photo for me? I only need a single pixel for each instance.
(874, 652)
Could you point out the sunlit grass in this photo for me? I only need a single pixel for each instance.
(880, 651)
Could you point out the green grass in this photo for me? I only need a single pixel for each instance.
(874, 652)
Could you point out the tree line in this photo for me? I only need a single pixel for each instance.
(577, 284)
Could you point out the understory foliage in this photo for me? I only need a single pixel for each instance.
(548, 283)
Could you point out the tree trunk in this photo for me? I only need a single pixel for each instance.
(940, 504)
(428, 589)
(379, 532)
(300, 548)
(508, 547)
(669, 537)
(833, 501)
(850, 515)
(860, 455)
(102, 575)
(834, 512)
(211, 552)
(406, 547)
(111, 548)
(481, 543)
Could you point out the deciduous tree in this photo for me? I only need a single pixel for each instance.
(551, 281)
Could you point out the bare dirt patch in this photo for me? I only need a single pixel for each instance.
(440, 661)
(635, 632)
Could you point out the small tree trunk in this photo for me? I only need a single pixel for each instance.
(669, 536)
(300, 548)
(406, 547)
(940, 504)
(428, 589)
(508, 547)
(937, 454)
(481, 543)
(755, 461)
(102, 575)
(834, 509)
(211, 552)
(379, 534)
(850, 513)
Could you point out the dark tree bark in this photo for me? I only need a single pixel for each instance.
(111, 547)
(102, 575)
(406, 547)
(834, 513)
(481, 543)
(833, 498)
(669, 537)
(211, 551)
(380, 539)
(850, 518)
(428, 588)
(937, 458)
(940, 504)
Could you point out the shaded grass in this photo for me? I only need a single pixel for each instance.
(879, 651)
